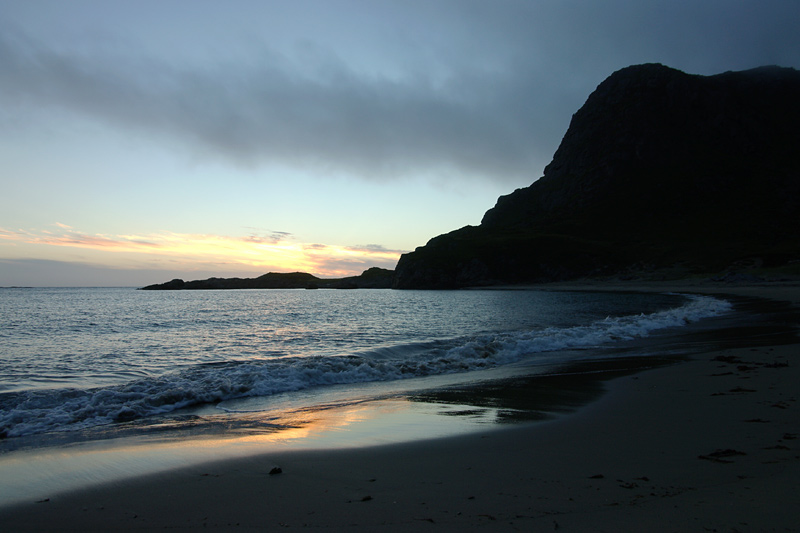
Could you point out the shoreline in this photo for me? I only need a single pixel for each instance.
(709, 443)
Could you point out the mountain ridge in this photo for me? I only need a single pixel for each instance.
(372, 278)
(658, 168)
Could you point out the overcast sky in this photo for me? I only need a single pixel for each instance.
(141, 141)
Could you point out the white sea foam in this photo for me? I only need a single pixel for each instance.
(510, 348)
(37, 411)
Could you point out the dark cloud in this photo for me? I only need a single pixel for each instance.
(483, 89)
(374, 248)
(374, 128)
(270, 237)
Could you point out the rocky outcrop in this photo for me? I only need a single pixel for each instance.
(373, 278)
(658, 168)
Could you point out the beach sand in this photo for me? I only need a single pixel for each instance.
(711, 444)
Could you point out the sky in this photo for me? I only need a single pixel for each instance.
(151, 140)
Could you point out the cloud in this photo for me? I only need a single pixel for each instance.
(330, 118)
(277, 252)
(374, 248)
(273, 237)
(472, 89)
(73, 238)
(348, 261)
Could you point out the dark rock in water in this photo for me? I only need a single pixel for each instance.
(658, 169)
(373, 278)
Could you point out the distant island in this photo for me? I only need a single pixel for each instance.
(660, 175)
(373, 278)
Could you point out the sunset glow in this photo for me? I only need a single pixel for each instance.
(256, 253)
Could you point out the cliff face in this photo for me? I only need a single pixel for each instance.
(658, 168)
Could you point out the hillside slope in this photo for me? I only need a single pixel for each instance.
(659, 169)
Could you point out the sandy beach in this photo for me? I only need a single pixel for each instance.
(710, 444)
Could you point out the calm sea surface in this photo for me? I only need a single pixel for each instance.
(73, 359)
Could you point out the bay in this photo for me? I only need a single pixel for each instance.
(78, 358)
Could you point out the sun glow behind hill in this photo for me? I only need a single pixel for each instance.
(235, 255)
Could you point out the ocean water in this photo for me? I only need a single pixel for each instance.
(78, 359)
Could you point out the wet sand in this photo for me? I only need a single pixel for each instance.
(709, 444)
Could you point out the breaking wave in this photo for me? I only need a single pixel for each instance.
(38, 411)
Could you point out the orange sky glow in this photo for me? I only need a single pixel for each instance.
(250, 253)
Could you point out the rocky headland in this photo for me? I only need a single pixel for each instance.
(373, 278)
(661, 173)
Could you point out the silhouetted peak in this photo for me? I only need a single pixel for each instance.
(657, 167)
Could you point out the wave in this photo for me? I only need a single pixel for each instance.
(38, 411)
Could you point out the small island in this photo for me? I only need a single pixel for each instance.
(373, 278)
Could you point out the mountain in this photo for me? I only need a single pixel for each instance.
(373, 278)
(659, 171)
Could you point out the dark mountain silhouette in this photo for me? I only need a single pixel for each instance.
(373, 278)
(659, 171)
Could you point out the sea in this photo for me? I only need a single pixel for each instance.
(102, 383)
(73, 359)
